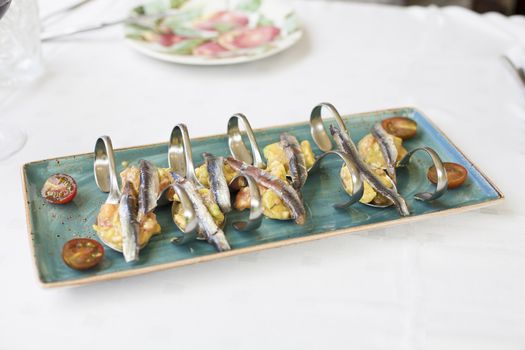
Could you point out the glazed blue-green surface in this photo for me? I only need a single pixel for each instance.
(53, 225)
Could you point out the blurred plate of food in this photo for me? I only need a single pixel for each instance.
(211, 32)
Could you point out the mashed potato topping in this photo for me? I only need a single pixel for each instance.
(273, 206)
(275, 153)
(108, 226)
(132, 174)
(370, 151)
(369, 194)
(210, 203)
(202, 174)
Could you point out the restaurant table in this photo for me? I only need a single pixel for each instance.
(454, 282)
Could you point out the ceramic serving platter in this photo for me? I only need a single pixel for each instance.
(50, 226)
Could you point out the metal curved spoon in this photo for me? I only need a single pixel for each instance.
(106, 178)
(389, 203)
(317, 129)
(256, 208)
(235, 142)
(104, 169)
(180, 160)
(324, 142)
(189, 233)
(357, 182)
(254, 157)
(237, 146)
(180, 155)
(442, 183)
(240, 151)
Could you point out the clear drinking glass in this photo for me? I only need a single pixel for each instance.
(20, 54)
(20, 60)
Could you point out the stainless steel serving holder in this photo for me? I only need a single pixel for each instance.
(180, 154)
(254, 157)
(180, 161)
(189, 233)
(256, 208)
(106, 176)
(317, 129)
(241, 152)
(105, 172)
(104, 169)
(442, 180)
(236, 144)
(357, 182)
(323, 141)
(107, 181)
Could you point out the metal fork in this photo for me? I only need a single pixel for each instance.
(62, 11)
(48, 36)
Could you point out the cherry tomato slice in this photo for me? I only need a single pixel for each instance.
(402, 127)
(59, 189)
(456, 174)
(82, 253)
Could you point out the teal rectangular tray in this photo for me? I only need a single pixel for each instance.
(50, 226)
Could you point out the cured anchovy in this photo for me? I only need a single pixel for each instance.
(214, 235)
(129, 225)
(217, 180)
(286, 192)
(346, 145)
(388, 149)
(296, 161)
(149, 188)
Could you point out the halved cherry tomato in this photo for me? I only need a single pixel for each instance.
(59, 189)
(456, 174)
(82, 253)
(402, 127)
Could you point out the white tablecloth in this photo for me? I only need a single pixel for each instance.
(449, 283)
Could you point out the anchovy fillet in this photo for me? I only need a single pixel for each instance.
(296, 161)
(218, 185)
(214, 235)
(388, 149)
(346, 145)
(149, 188)
(286, 192)
(129, 225)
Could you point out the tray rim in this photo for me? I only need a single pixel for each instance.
(259, 247)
